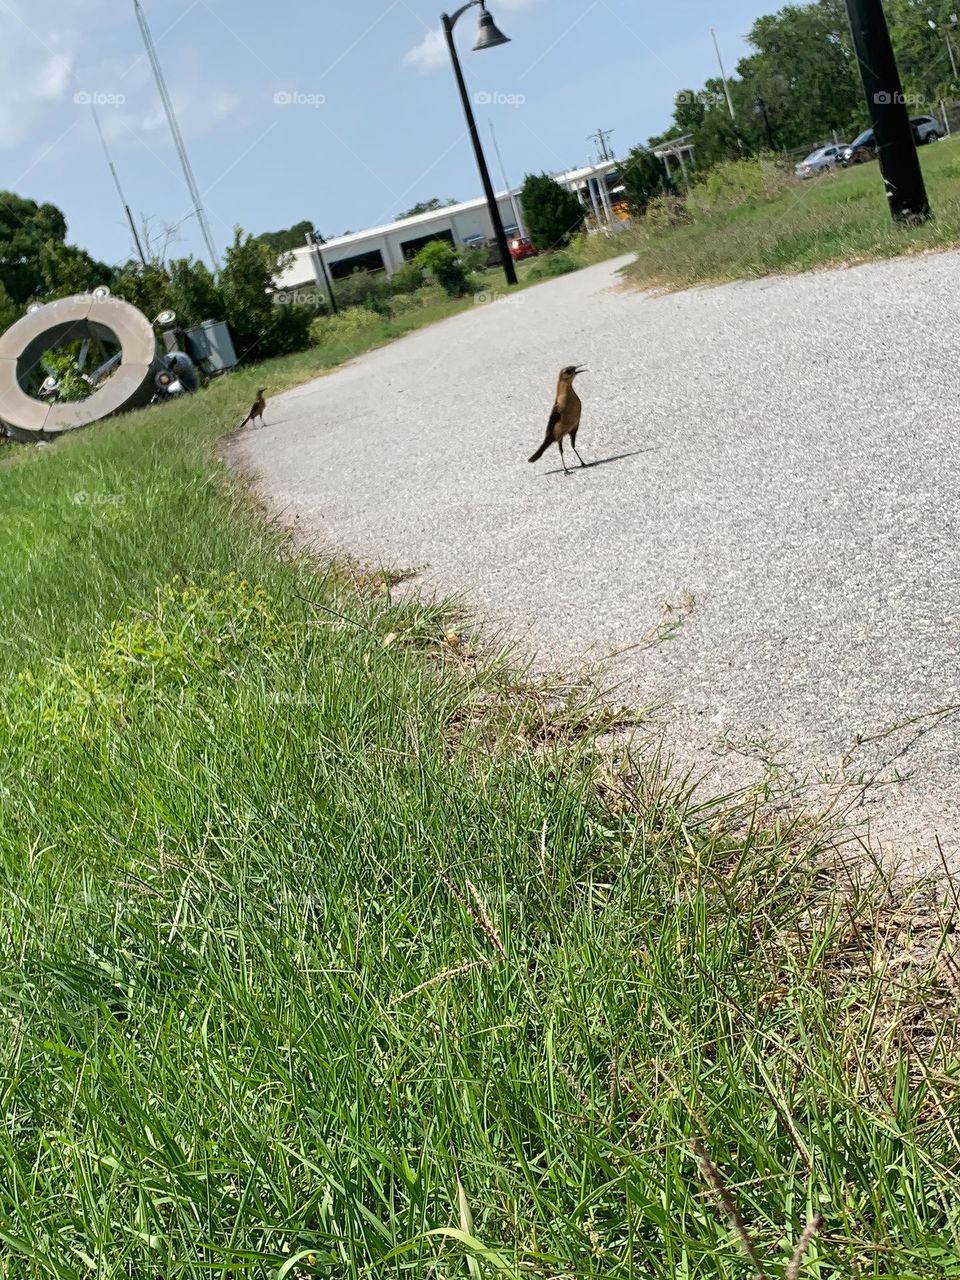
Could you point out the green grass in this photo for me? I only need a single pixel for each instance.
(834, 220)
(331, 947)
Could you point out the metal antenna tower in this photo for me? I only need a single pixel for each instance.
(188, 177)
(126, 208)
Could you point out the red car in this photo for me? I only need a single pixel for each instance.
(520, 248)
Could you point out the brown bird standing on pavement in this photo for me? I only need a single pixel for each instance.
(256, 409)
(564, 416)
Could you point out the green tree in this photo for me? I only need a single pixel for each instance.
(644, 179)
(10, 313)
(293, 238)
(689, 109)
(717, 138)
(425, 206)
(444, 265)
(25, 227)
(145, 287)
(922, 52)
(552, 213)
(260, 327)
(66, 270)
(804, 69)
(193, 292)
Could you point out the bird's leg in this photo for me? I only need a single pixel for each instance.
(573, 446)
(566, 471)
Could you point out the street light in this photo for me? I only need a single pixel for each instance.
(933, 27)
(488, 37)
(896, 149)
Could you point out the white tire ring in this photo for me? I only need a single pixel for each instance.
(82, 316)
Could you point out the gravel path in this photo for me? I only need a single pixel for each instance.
(780, 465)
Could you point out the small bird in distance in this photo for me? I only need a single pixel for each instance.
(256, 409)
(564, 417)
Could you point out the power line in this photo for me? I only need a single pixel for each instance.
(188, 177)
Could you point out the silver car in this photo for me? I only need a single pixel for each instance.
(820, 161)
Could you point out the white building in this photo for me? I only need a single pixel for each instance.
(386, 248)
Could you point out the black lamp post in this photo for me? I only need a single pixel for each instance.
(488, 37)
(892, 131)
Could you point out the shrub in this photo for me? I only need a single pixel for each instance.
(364, 289)
(736, 182)
(341, 327)
(551, 264)
(666, 212)
(406, 279)
(445, 266)
(474, 258)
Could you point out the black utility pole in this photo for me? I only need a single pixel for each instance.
(896, 149)
(600, 138)
(488, 38)
(315, 240)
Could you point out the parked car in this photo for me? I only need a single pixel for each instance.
(863, 147)
(820, 161)
(925, 129)
(520, 248)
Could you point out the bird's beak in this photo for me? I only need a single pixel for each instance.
(582, 369)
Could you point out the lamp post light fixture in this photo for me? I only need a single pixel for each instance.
(949, 43)
(488, 37)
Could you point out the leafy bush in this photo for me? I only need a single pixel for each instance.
(736, 182)
(474, 258)
(445, 266)
(61, 362)
(407, 279)
(666, 212)
(364, 289)
(553, 214)
(551, 264)
(341, 327)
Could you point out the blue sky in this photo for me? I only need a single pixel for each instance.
(343, 113)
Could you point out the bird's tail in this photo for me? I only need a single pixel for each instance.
(541, 451)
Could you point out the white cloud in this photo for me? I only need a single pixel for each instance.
(429, 54)
(199, 106)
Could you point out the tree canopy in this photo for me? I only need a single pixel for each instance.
(552, 213)
(294, 237)
(425, 206)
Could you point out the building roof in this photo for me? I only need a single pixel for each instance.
(672, 146)
(418, 220)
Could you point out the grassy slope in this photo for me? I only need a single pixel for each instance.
(836, 219)
(311, 918)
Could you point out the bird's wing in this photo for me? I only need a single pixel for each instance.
(554, 419)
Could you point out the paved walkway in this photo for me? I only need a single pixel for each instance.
(778, 460)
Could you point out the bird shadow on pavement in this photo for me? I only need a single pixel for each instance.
(600, 462)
